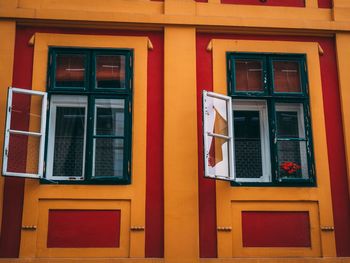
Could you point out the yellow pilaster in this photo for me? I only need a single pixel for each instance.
(7, 49)
(343, 58)
(180, 146)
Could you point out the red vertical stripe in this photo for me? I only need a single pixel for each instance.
(155, 113)
(14, 187)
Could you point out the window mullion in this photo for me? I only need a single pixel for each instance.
(273, 139)
(89, 138)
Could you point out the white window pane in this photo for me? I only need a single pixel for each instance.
(23, 154)
(69, 141)
(67, 138)
(26, 112)
(25, 133)
(290, 120)
(248, 152)
(251, 140)
(291, 142)
(218, 145)
(109, 117)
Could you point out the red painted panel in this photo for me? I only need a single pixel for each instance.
(275, 229)
(155, 122)
(325, 3)
(14, 187)
(292, 3)
(335, 142)
(83, 228)
(206, 187)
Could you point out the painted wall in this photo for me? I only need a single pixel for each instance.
(335, 143)
(14, 187)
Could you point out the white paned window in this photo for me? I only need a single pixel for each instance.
(25, 133)
(67, 137)
(218, 136)
(251, 141)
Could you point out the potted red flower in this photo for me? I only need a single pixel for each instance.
(290, 169)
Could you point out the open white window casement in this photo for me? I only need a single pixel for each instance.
(218, 136)
(24, 143)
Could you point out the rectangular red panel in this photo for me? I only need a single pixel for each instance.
(325, 3)
(292, 3)
(275, 229)
(83, 228)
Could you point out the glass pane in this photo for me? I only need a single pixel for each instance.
(286, 76)
(249, 75)
(290, 120)
(110, 71)
(248, 156)
(23, 154)
(26, 112)
(218, 156)
(70, 70)
(216, 116)
(108, 157)
(287, 124)
(292, 157)
(69, 141)
(109, 115)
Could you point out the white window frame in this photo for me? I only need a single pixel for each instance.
(75, 101)
(9, 131)
(261, 107)
(298, 108)
(207, 133)
(103, 103)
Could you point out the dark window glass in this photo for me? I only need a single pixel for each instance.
(287, 124)
(69, 142)
(247, 145)
(110, 71)
(286, 76)
(249, 75)
(70, 71)
(108, 157)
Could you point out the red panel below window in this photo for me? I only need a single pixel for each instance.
(293, 3)
(83, 228)
(275, 229)
(325, 4)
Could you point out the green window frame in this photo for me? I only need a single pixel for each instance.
(288, 121)
(93, 99)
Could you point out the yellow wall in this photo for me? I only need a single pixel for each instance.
(180, 20)
(317, 200)
(7, 50)
(180, 146)
(130, 199)
(343, 58)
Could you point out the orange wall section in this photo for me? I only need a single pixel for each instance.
(180, 146)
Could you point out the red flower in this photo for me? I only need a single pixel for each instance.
(290, 167)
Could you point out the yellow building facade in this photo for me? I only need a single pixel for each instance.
(168, 211)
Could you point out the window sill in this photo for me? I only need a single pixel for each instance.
(99, 181)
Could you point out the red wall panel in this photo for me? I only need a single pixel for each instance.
(275, 229)
(14, 187)
(83, 228)
(293, 3)
(335, 141)
(325, 3)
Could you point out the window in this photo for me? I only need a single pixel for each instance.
(272, 141)
(88, 133)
